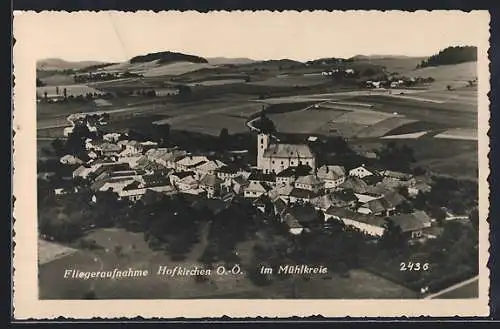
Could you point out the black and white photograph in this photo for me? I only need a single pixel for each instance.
(257, 156)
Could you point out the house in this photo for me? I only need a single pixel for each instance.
(187, 183)
(290, 174)
(412, 225)
(332, 176)
(178, 175)
(239, 183)
(298, 194)
(279, 207)
(190, 162)
(266, 178)
(82, 171)
(209, 167)
(148, 145)
(132, 161)
(282, 192)
(418, 187)
(130, 147)
(136, 190)
(211, 183)
(355, 184)
(377, 207)
(227, 172)
(115, 184)
(365, 197)
(395, 178)
(286, 177)
(337, 199)
(110, 149)
(255, 189)
(309, 182)
(70, 160)
(361, 172)
(111, 137)
(276, 157)
(368, 224)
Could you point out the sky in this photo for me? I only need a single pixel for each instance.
(115, 37)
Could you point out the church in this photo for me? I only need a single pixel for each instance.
(276, 157)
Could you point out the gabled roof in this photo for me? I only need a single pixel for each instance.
(303, 193)
(182, 174)
(259, 176)
(394, 198)
(240, 180)
(411, 222)
(308, 180)
(282, 150)
(192, 160)
(330, 172)
(377, 205)
(355, 184)
(255, 186)
(210, 165)
(210, 180)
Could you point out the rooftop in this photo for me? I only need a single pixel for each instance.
(280, 150)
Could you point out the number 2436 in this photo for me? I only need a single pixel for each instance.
(410, 266)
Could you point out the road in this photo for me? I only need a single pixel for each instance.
(454, 287)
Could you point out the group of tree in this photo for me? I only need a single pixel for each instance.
(459, 196)
(451, 55)
(166, 57)
(396, 157)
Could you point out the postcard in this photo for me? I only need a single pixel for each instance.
(250, 164)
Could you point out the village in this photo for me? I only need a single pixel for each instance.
(287, 178)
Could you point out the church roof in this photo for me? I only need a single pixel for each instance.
(281, 150)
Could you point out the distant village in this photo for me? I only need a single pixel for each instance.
(286, 181)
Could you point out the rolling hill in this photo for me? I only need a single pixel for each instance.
(228, 61)
(57, 64)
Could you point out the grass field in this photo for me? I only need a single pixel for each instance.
(449, 115)
(455, 75)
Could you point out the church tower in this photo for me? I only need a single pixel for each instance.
(262, 145)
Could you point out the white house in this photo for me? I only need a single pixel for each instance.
(255, 189)
(309, 182)
(361, 172)
(331, 175)
(368, 224)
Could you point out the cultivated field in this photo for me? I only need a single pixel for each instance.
(215, 82)
(459, 133)
(153, 69)
(406, 136)
(383, 127)
(292, 81)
